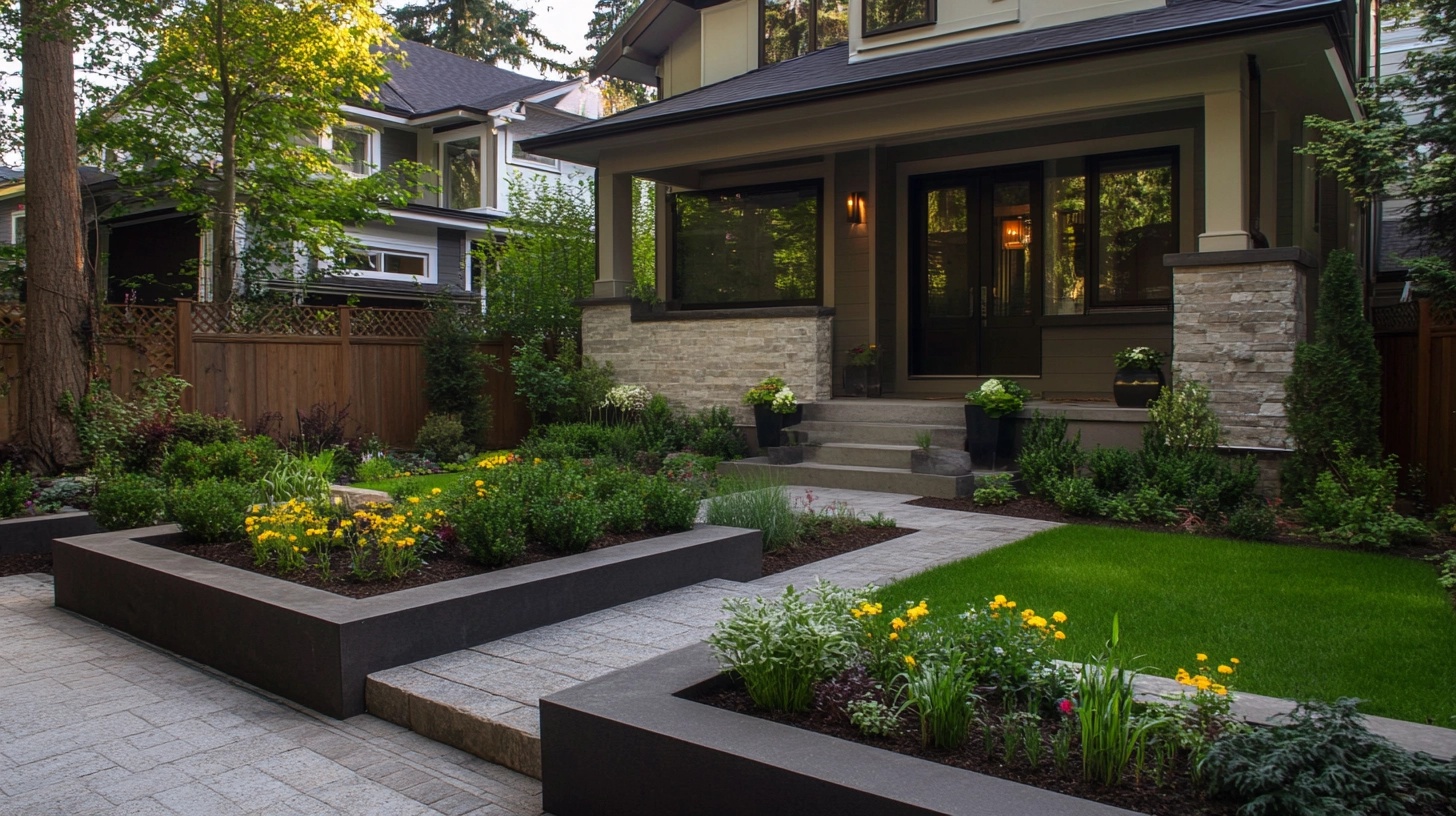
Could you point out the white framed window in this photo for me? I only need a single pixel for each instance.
(462, 163)
(382, 259)
(17, 227)
(356, 148)
(518, 155)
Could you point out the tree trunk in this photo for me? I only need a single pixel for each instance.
(225, 220)
(59, 306)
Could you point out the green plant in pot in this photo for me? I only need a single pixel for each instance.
(862, 371)
(774, 408)
(1139, 377)
(990, 434)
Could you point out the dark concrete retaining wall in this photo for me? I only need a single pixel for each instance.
(625, 744)
(32, 535)
(316, 648)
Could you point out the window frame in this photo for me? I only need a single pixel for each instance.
(371, 245)
(676, 227)
(932, 15)
(17, 227)
(487, 162)
(1093, 167)
(372, 147)
(813, 33)
(512, 140)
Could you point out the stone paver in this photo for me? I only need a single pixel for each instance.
(92, 722)
(484, 699)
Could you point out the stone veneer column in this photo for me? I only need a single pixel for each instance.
(1237, 317)
(706, 358)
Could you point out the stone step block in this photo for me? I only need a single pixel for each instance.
(885, 480)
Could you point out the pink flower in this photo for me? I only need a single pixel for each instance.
(1065, 706)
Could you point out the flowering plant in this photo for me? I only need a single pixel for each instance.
(764, 392)
(381, 541)
(1138, 357)
(627, 398)
(999, 397)
(784, 402)
(864, 354)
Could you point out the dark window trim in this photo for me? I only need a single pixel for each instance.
(932, 15)
(813, 33)
(672, 251)
(1094, 223)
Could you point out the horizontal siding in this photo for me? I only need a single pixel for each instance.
(1077, 361)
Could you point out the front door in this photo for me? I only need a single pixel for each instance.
(975, 273)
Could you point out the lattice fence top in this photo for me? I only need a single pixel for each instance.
(151, 330)
(255, 318)
(1396, 317)
(12, 319)
(389, 322)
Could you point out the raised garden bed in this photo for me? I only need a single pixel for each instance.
(828, 546)
(632, 743)
(25, 542)
(316, 647)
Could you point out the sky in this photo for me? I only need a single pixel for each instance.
(564, 21)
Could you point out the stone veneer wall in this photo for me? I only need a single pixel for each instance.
(702, 359)
(1237, 317)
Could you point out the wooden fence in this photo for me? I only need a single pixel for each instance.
(251, 361)
(1418, 394)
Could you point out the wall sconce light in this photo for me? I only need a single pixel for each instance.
(1015, 233)
(855, 208)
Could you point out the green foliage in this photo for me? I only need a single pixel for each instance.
(492, 31)
(210, 511)
(65, 492)
(999, 397)
(1047, 455)
(1325, 762)
(455, 372)
(1145, 503)
(1444, 519)
(1204, 481)
(127, 502)
(443, 438)
(376, 468)
(1111, 732)
(873, 718)
(756, 504)
(1114, 470)
(1182, 418)
(691, 470)
(546, 262)
(294, 477)
(1333, 393)
(585, 440)
(244, 461)
(670, 507)
(996, 488)
(105, 421)
(16, 488)
(1253, 520)
(493, 527)
(206, 428)
(1138, 357)
(1435, 280)
(781, 646)
(1354, 503)
(1077, 495)
(764, 392)
(941, 690)
(566, 388)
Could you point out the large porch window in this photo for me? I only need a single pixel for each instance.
(753, 246)
(793, 28)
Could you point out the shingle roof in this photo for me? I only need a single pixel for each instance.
(828, 73)
(432, 80)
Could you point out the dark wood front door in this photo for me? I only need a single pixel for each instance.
(975, 273)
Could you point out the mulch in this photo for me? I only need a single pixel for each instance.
(24, 564)
(828, 546)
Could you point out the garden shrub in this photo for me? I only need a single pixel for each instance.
(67, 491)
(625, 511)
(1325, 762)
(584, 440)
(294, 477)
(670, 507)
(204, 429)
(566, 388)
(376, 468)
(1354, 503)
(16, 488)
(1333, 393)
(1047, 455)
(245, 461)
(714, 433)
(692, 470)
(1114, 470)
(210, 511)
(443, 438)
(127, 501)
(105, 420)
(756, 504)
(1204, 481)
(1077, 495)
(1181, 417)
(566, 525)
(455, 376)
(1445, 519)
(1253, 520)
(323, 426)
(997, 488)
(492, 527)
(1144, 504)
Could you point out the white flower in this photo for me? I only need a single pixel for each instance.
(784, 402)
(627, 398)
(992, 386)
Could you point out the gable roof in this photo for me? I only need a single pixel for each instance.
(828, 73)
(431, 81)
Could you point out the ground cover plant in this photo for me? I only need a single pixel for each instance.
(1310, 623)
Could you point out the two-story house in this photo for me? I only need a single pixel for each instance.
(979, 187)
(462, 118)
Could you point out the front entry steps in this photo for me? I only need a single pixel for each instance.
(854, 477)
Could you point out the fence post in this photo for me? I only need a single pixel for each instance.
(1424, 347)
(346, 362)
(184, 352)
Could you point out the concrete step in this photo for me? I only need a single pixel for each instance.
(900, 411)
(881, 433)
(853, 454)
(883, 479)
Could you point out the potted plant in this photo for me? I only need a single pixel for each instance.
(1139, 377)
(862, 372)
(990, 439)
(774, 409)
(937, 461)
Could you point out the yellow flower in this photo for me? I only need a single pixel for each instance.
(1000, 599)
(414, 499)
(434, 491)
(1225, 669)
(480, 483)
(918, 611)
(1234, 660)
(910, 661)
(1011, 604)
(1059, 617)
(1059, 635)
(1036, 622)
(1218, 689)
(293, 538)
(1200, 657)
(894, 636)
(897, 624)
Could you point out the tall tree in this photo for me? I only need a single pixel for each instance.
(492, 31)
(617, 94)
(226, 121)
(60, 309)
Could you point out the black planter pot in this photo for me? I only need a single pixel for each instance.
(1136, 387)
(770, 426)
(861, 381)
(990, 441)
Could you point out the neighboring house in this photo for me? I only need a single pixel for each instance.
(1396, 246)
(980, 187)
(464, 119)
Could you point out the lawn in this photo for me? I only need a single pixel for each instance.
(413, 485)
(1306, 623)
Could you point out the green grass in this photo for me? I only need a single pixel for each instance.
(1306, 623)
(414, 485)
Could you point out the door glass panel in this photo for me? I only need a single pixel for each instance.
(1066, 245)
(1011, 290)
(946, 319)
(1135, 230)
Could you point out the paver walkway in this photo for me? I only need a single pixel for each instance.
(92, 722)
(484, 699)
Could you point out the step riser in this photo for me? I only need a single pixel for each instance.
(953, 436)
(949, 412)
(857, 457)
(914, 484)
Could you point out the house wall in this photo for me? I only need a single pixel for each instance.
(730, 40)
(963, 20)
(7, 209)
(682, 65)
